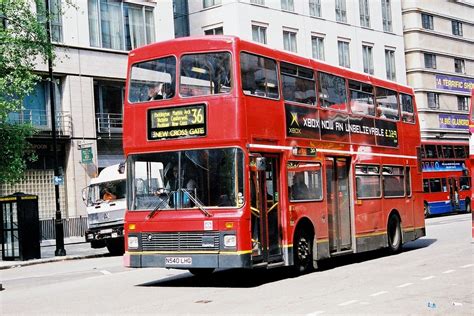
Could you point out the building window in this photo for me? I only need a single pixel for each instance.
(433, 100)
(368, 59)
(55, 18)
(108, 99)
(315, 8)
(427, 21)
(463, 103)
(119, 25)
(430, 61)
(215, 31)
(289, 41)
(317, 44)
(390, 64)
(344, 59)
(260, 2)
(386, 16)
(364, 13)
(210, 3)
(181, 20)
(287, 5)
(36, 106)
(457, 28)
(341, 12)
(259, 34)
(459, 66)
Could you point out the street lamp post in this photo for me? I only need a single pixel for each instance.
(59, 230)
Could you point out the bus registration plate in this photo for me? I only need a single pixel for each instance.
(178, 261)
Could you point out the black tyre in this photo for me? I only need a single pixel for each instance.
(116, 246)
(394, 234)
(426, 207)
(201, 271)
(96, 244)
(303, 251)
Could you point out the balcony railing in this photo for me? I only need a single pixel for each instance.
(41, 120)
(109, 123)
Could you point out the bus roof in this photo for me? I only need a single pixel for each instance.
(228, 42)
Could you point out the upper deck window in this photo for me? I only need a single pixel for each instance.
(387, 104)
(362, 98)
(298, 84)
(408, 111)
(259, 76)
(332, 92)
(152, 80)
(204, 74)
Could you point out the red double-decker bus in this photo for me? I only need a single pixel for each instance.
(242, 156)
(446, 177)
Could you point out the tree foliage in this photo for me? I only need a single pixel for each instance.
(23, 42)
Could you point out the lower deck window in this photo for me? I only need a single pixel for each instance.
(304, 181)
(368, 181)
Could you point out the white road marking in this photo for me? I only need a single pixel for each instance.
(348, 303)
(105, 272)
(405, 285)
(468, 265)
(315, 313)
(378, 293)
(448, 271)
(429, 277)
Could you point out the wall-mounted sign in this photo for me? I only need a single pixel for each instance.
(453, 83)
(177, 122)
(86, 155)
(453, 121)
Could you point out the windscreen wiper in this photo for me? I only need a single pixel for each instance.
(158, 207)
(196, 201)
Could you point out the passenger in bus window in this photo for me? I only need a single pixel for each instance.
(299, 190)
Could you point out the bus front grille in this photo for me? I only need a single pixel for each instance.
(180, 241)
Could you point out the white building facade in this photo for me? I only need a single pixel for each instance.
(364, 35)
(92, 40)
(439, 43)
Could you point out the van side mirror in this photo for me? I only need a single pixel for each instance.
(84, 195)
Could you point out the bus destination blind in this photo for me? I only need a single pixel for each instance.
(178, 122)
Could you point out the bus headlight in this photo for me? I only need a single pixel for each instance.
(230, 241)
(132, 242)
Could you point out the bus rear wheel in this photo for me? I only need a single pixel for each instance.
(303, 252)
(394, 234)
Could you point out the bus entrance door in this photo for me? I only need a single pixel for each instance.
(338, 193)
(453, 193)
(265, 221)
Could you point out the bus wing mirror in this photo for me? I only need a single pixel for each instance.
(261, 163)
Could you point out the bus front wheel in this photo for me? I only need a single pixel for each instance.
(303, 252)
(427, 210)
(201, 271)
(394, 234)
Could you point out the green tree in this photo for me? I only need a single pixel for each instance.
(23, 39)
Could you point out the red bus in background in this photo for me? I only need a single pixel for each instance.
(242, 156)
(446, 178)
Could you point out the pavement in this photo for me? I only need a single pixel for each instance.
(76, 248)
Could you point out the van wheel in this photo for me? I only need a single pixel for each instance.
(394, 234)
(303, 252)
(116, 246)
